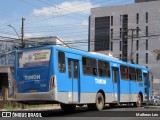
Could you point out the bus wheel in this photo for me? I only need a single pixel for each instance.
(99, 101)
(68, 107)
(139, 101)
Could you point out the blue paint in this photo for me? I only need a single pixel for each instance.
(84, 83)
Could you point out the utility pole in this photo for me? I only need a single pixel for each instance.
(132, 37)
(22, 39)
(14, 30)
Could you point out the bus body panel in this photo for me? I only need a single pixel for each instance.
(82, 88)
(35, 80)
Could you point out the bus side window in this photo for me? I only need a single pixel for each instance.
(69, 69)
(76, 66)
(124, 72)
(103, 68)
(61, 62)
(139, 75)
(94, 71)
(132, 73)
(146, 76)
(89, 66)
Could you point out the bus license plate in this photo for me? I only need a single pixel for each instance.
(31, 91)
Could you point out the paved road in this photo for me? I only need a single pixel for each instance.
(83, 113)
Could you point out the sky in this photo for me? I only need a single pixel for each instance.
(67, 19)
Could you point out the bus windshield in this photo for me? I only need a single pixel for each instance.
(34, 58)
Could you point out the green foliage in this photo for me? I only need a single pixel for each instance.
(158, 57)
(9, 105)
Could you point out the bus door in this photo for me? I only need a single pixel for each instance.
(116, 84)
(73, 75)
(146, 84)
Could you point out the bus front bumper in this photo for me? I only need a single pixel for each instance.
(37, 96)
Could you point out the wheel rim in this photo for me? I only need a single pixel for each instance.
(100, 103)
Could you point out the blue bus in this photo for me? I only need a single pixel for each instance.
(70, 77)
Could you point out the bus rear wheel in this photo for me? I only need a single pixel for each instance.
(139, 101)
(68, 107)
(99, 101)
(99, 105)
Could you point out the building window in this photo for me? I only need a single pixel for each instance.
(102, 33)
(111, 20)
(146, 58)
(120, 33)
(124, 37)
(137, 18)
(137, 57)
(120, 46)
(146, 17)
(137, 45)
(137, 31)
(146, 30)
(120, 19)
(146, 44)
(120, 56)
(111, 46)
(111, 33)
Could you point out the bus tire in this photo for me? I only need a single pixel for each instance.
(68, 107)
(139, 101)
(99, 101)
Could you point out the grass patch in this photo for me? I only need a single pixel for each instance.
(9, 105)
(153, 107)
(41, 106)
(12, 105)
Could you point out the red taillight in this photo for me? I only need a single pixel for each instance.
(52, 82)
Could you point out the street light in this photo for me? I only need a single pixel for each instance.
(14, 30)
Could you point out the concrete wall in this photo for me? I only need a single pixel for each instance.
(8, 59)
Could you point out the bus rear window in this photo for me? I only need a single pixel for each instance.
(34, 58)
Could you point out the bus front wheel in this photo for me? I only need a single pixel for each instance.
(68, 107)
(139, 101)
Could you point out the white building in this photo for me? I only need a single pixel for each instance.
(111, 29)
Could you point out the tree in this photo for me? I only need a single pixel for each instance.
(157, 53)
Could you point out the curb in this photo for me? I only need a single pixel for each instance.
(35, 109)
(153, 107)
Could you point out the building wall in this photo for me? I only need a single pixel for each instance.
(136, 1)
(153, 29)
(7, 83)
(6, 59)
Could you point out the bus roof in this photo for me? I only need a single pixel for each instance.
(85, 53)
